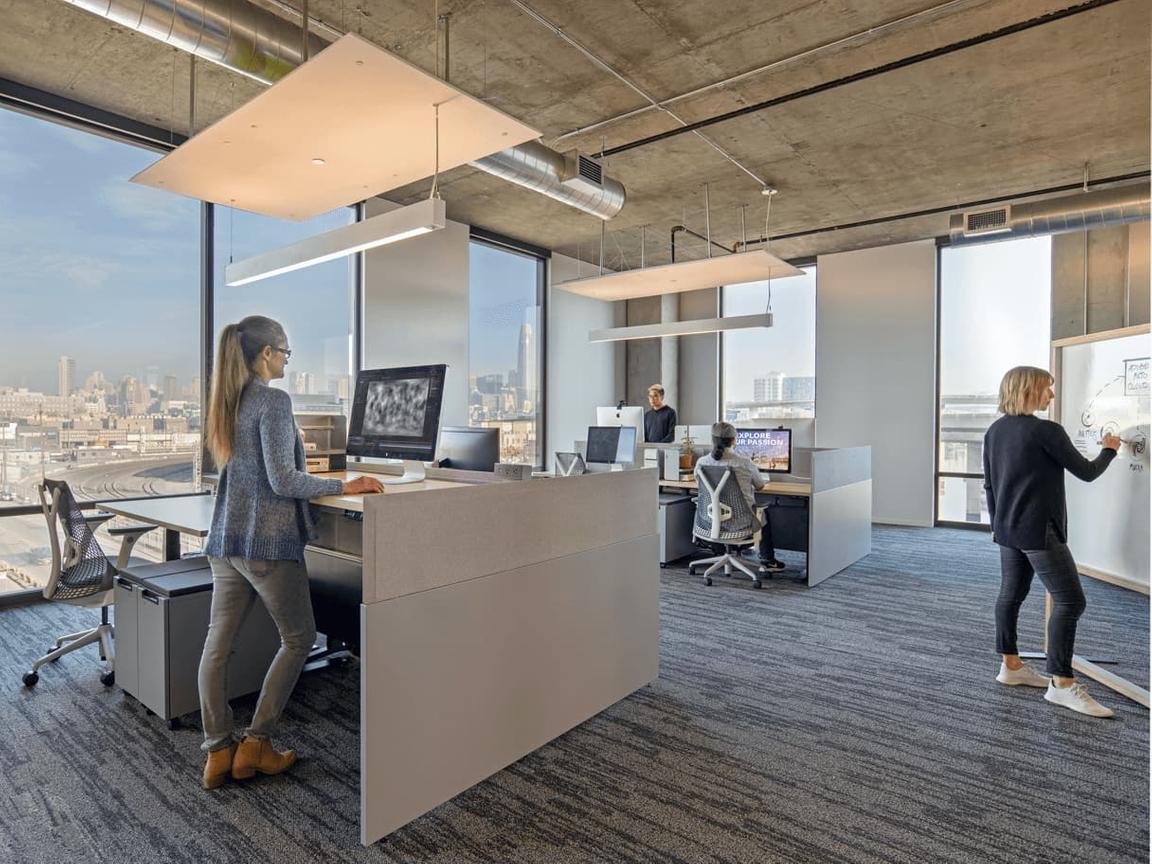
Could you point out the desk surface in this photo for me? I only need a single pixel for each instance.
(191, 514)
(804, 489)
(355, 503)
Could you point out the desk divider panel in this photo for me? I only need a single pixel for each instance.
(496, 618)
(840, 518)
(423, 541)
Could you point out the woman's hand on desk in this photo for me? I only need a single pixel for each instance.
(363, 486)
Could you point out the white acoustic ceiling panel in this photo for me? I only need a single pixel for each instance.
(352, 122)
(752, 266)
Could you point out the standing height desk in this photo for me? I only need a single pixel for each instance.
(188, 514)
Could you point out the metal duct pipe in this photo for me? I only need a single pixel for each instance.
(1055, 216)
(539, 168)
(257, 43)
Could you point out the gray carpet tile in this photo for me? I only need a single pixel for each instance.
(854, 722)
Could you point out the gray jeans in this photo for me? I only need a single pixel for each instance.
(283, 588)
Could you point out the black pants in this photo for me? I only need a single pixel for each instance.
(767, 549)
(1057, 570)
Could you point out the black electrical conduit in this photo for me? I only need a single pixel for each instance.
(867, 73)
(950, 208)
(678, 228)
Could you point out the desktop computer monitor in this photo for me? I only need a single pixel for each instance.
(396, 415)
(625, 415)
(470, 448)
(770, 449)
(603, 444)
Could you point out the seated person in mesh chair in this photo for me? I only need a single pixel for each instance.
(745, 471)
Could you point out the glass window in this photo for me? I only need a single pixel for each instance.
(770, 373)
(314, 304)
(99, 384)
(505, 381)
(995, 313)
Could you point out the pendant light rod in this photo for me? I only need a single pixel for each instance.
(707, 220)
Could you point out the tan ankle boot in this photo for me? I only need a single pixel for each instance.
(218, 766)
(255, 755)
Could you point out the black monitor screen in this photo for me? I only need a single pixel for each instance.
(396, 412)
(604, 443)
(470, 448)
(770, 449)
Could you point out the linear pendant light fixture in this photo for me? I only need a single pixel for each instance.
(422, 217)
(681, 328)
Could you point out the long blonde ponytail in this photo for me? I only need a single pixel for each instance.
(239, 346)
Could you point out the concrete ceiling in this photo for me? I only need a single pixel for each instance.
(1009, 116)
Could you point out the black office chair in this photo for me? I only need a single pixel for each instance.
(81, 574)
(723, 518)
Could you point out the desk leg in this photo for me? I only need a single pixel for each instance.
(171, 544)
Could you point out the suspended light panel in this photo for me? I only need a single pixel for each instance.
(353, 122)
(754, 266)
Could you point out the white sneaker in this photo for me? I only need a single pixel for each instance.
(1077, 698)
(1025, 676)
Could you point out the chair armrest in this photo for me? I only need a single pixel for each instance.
(95, 520)
(129, 534)
(138, 530)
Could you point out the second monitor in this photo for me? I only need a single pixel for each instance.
(611, 444)
(770, 449)
(470, 448)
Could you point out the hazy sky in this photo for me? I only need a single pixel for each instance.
(995, 312)
(503, 296)
(90, 265)
(788, 346)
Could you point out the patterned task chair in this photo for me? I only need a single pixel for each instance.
(724, 517)
(81, 574)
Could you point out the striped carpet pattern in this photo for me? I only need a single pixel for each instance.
(854, 722)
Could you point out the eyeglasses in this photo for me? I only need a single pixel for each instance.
(287, 352)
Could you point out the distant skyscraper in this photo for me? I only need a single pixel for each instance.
(171, 391)
(800, 389)
(65, 374)
(526, 363)
(489, 384)
(768, 388)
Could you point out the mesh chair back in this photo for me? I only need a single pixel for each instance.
(741, 524)
(81, 568)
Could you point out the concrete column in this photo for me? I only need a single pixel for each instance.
(670, 351)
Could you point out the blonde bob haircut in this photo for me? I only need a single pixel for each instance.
(1021, 387)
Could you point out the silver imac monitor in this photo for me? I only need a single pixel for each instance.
(396, 415)
(627, 415)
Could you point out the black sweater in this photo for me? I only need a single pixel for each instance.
(1024, 462)
(660, 425)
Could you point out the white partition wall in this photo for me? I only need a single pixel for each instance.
(876, 369)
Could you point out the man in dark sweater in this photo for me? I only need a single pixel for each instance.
(660, 422)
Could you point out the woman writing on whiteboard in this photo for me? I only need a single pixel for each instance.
(256, 543)
(1024, 463)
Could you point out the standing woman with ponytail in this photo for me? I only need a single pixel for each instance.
(256, 543)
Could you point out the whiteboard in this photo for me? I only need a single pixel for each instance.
(1104, 387)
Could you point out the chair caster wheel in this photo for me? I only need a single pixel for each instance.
(174, 724)
(707, 580)
(756, 583)
(107, 678)
(30, 679)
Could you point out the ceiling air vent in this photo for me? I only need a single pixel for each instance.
(995, 221)
(582, 172)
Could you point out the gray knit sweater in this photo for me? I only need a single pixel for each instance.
(262, 498)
